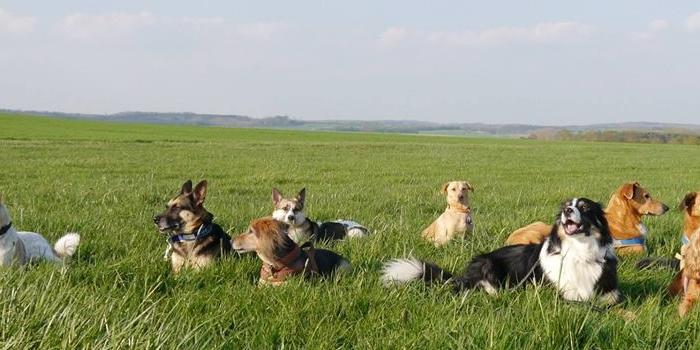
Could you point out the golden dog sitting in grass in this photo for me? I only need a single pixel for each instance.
(457, 217)
(624, 213)
(687, 281)
(282, 257)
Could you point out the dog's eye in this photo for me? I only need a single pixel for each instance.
(647, 196)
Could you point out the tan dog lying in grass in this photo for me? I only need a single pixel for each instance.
(457, 217)
(624, 213)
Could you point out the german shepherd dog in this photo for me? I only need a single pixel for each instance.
(193, 239)
(577, 258)
(302, 229)
(282, 258)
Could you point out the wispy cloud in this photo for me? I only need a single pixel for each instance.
(393, 36)
(692, 23)
(81, 25)
(15, 24)
(124, 24)
(540, 33)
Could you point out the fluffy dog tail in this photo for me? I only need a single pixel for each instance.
(401, 271)
(67, 245)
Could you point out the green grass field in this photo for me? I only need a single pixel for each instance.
(106, 181)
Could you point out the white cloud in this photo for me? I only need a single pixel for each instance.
(259, 31)
(81, 25)
(122, 24)
(658, 25)
(692, 23)
(545, 32)
(15, 24)
(393, 36)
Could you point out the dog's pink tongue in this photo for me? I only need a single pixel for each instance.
(570, 228)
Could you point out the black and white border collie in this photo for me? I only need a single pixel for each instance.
(577, 258)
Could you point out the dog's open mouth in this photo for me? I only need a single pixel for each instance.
(166, 229)
(571, 227)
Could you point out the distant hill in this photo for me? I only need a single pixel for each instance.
(400, 126)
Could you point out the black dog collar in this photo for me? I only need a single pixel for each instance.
(4, 229)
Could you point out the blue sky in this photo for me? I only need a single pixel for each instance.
(543, 62)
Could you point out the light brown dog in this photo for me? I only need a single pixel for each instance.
(624, 213)
(457, 217)
(282, 257)
(687, 280)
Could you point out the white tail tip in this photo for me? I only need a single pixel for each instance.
(357, 232)
(67, 245)
(400, 271)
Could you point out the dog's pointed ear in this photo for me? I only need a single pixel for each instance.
(469, 186)
(444, 187)
(628, 189)
(200, 192)
(186, 187)
(301, 196)
(686, 203)
(276, 196)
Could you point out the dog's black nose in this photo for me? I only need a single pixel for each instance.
(290, 218)
(156, 219)
(665, 207)
(568, 210)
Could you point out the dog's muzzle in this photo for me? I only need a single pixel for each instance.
(163, 224)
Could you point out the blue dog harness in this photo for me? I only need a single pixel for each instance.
(629, 242)
(205, 230)
(684, 239)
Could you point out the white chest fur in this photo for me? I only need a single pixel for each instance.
(576, 268)
(642, 229)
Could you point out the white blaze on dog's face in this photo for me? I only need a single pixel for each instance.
(571, 217)
(581, 216)
(457, 192)
(289, 210)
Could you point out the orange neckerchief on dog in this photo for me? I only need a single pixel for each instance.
(290, 265)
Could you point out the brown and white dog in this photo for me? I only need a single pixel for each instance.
(627, 205)
(282, 258)
(302, 229)
(687, 281)
(193, 239)
(457, 217)
(21, 248)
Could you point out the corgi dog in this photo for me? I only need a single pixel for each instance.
(302, 229)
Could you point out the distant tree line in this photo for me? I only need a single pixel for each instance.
(616, 136)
